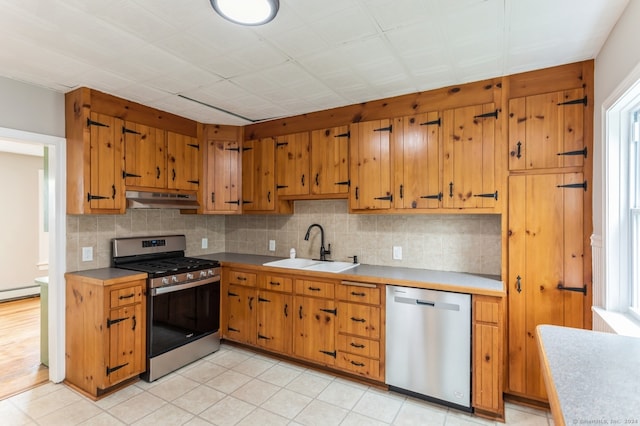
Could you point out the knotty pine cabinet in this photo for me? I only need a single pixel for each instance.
(275, 313)
(546, 283)
(95, 158)
(105, 330)
(547, 130)
(222, 177)
(370, 165)
(240, 306)
(145, 156)
(330, 161)
(184, 162)
(469, 157)
(258, 175)
(292, 164)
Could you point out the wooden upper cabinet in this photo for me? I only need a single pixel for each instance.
(370, 165)
(106, 183)
(330, 161)
(547, 130)
(222, 192)
(145, 156)
(416, 153)
(258, 175)
(469, 157)
(184, 161)
(292, 164)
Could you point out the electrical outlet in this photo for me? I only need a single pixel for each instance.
(87, 254)
(205, 243)
(272, 245)
(397, 252)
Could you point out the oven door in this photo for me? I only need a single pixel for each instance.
(179, 314)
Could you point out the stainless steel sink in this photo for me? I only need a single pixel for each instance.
(312, 265)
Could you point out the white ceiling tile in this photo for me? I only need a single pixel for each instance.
(343, 27)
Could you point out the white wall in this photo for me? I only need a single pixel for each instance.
(19, 246)
(617, 58)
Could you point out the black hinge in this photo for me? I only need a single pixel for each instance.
(195, 182)
(246, 148)
(233, 329)
(575, 185)
(333, 354)
(126, 175)
(90, 122)
(582, 289)
(278, 144)
(575, 102)
(578, 152)
(236, 202)
(343, 135)
(281, 186)
(432, 122)
(262, 299)
(385, 129)
(385, 198)
(437, 196)
(260, 336)
(344, 182)
(234, 149)
(110, 322)
(96, 197)
(247, 202)
(116, 368)
(493, 195)
(193, 145)
(231, 294)
(487, 115)
(125, 130)
(330, 311)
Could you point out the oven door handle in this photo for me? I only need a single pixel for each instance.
(171, 288)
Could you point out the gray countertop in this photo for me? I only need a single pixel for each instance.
(423, 278)
(109, 274)
(592, 377)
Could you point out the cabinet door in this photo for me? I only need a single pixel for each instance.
(330, 161)
(274, 321)
(314, 329)
(126, 344)
(546, 252)
(145, 156)
(106, 163)
(223, 176)
(183, 162)
(370, 165)
(292, 164)
(469, 157)
(258, 177)
(359, 320)
(241, 314)
(547, 131)
(487, 364)
(416, 148)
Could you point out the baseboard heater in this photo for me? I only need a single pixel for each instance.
(19, 292)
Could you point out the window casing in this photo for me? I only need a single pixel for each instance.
(634, 212)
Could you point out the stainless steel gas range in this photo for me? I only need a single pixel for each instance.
(183, 300)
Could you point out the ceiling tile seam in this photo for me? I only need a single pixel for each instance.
(443, 37)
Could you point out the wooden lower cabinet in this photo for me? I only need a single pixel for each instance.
(274, 321)
(314, 329)
(488, 331)
(105, 330)
(241, 314)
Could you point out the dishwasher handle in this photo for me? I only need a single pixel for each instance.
(427, 303)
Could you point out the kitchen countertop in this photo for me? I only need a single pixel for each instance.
(421, 278)
(110, 275)
(591, 377)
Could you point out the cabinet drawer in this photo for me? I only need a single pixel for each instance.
(486, 309)
(369, 368)
(359, 346)
(358, 292)
(242, 278)
(125, 296)
(315, 288)
(276, 283)
(361, 320)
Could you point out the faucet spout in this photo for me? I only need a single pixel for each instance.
(323, 252)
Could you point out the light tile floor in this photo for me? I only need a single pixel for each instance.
(237, 387)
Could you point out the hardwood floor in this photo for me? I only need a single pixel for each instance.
(20, 367)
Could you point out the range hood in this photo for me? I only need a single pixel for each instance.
(160, 200)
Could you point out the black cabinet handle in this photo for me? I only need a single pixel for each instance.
(251, 303)
(300, 312)
(518, 283)
(358, 319)
(357, 364)
(286, 310)
(113, 192)
(317, 179)
(276, 283)
(357, 345)
(302, 180)
(450, 189)
(353, 293)
(135, 322)
(314, 289)
(128, 296)
(157, 172)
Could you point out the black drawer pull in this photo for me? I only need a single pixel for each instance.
(357, 364)
(357, 345)
(241, 278)
(274, 283)
(314, 289)
(358, 319)
(353, 293)
(129, 296)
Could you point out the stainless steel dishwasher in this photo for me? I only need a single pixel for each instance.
(428, 349)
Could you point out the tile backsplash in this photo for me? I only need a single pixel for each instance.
(463, 243)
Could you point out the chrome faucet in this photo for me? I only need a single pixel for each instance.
(323, 252)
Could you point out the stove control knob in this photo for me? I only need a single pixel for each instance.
(210, 272)
(174, 279)
(165, 280)
(203, 274)
(189, 276)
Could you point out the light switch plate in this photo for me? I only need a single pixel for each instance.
(87, 254)
(272, 245)
(205, 243)
(397, 252)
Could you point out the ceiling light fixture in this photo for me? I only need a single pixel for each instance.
(247, 12)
